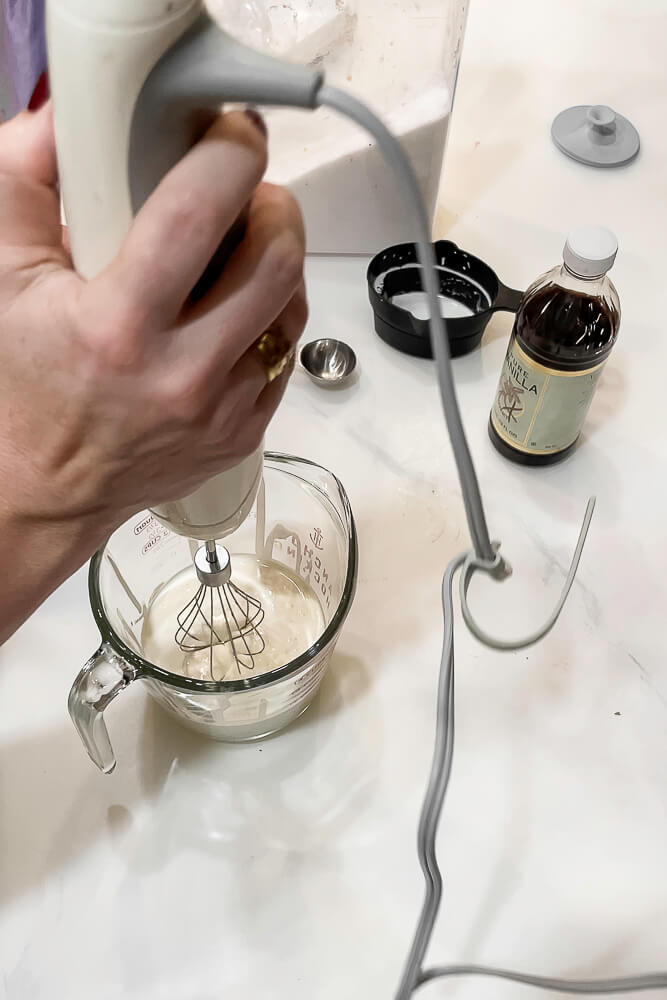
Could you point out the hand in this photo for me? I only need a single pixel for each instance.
(117, 393)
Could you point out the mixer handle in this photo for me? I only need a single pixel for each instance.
(180, 97)
(104, 676)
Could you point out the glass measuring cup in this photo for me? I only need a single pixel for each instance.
(302, 520)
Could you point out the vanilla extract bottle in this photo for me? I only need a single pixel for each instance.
(564, 331)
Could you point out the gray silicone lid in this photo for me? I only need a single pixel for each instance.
(596, 135)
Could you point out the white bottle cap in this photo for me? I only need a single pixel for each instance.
(590, 251)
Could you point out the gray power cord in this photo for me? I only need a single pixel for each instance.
(397, 158)
(485, 557)
(472, 563)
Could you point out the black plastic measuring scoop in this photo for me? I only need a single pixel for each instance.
(471, 289)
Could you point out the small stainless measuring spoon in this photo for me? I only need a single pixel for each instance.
(329, 363)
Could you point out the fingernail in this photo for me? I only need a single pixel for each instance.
(40, 94)
(257, 120)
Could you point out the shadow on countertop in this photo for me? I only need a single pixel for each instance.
(173, 790)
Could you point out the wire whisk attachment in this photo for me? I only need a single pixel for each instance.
(220, 613)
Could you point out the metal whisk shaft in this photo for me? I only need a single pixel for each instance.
(220, 613)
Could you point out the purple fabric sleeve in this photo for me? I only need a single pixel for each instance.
(22, 52)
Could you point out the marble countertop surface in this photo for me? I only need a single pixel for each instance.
(287, 869)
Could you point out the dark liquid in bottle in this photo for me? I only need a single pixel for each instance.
(565, 330)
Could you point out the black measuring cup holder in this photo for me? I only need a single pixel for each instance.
(463, 279)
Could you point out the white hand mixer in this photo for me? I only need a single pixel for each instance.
(130, 80)
(134, 85)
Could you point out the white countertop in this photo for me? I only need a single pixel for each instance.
(287, 869)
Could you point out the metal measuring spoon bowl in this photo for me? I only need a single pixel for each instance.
(330, 363)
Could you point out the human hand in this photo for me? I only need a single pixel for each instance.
(118, 393)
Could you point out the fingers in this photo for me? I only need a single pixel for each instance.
(257, 412)
(181, 225)
(292, 322)
(28, 147)
(250, 372)
(29, 199)
(263, 278)
(268, 401)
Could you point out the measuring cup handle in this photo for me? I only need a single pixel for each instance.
(507, 299)
(104, 676)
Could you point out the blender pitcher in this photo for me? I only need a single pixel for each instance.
(301, 520)
(401, 58)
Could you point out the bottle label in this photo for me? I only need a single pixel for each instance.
(541, 410)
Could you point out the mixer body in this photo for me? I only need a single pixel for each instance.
(101, 53)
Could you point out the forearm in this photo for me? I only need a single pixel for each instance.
(36, 556)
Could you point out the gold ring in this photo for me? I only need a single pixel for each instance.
(274, 351)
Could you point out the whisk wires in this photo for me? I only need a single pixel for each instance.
(221, 615)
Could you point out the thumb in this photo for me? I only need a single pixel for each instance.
(28, 146)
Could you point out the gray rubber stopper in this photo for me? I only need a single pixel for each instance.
(596, 135)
